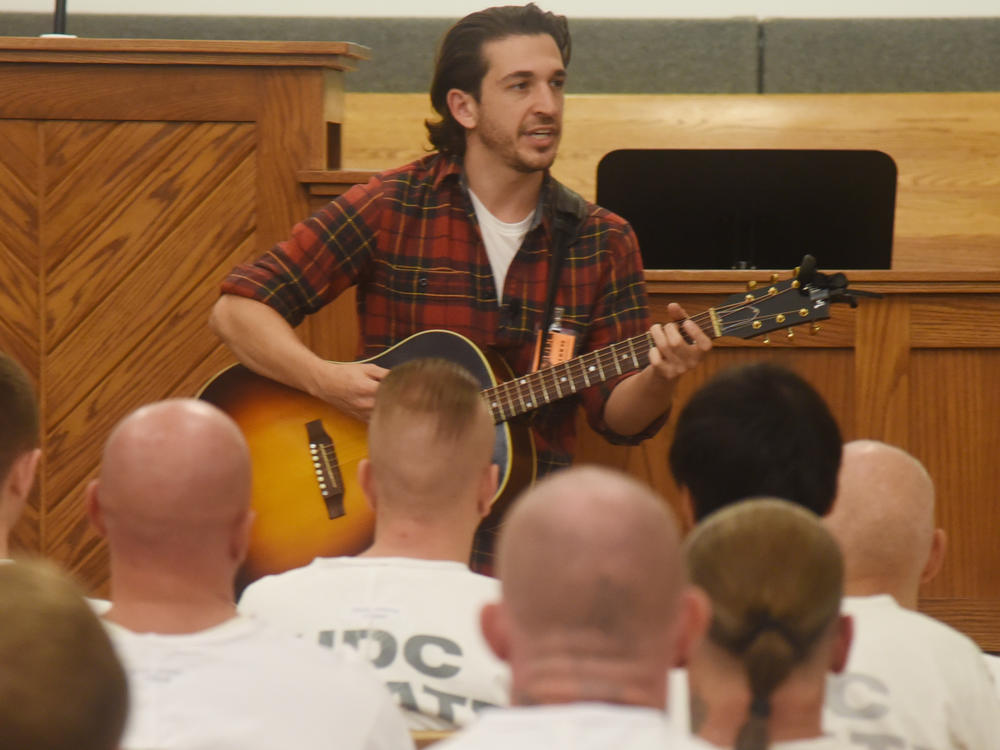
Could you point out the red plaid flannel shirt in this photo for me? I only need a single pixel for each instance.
(410, 242)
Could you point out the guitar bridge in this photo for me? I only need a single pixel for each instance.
(324, 460)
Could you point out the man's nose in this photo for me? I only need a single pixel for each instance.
(547, 100)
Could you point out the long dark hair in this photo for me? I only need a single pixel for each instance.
(460, 63)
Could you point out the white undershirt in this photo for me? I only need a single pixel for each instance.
(502, 240)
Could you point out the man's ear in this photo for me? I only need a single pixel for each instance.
(487, 490)
(935, 559)
(22, 473)
(693, 616)
(842, 643)
(463, 107)
(367, 482)
(496, 629)
(239, 542)
(92, 506)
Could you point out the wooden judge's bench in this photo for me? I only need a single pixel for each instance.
(134, 174)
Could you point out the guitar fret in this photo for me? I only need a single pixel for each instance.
(600, 369)
(511, 409)
(583, 368)
(561, 379)
(635, 360)
(533, 400)
(614, 358)
(496, 406)
(520, 393)
(541, 382)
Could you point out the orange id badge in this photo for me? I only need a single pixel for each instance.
(558, 348)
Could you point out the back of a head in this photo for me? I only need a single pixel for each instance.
(591, 553)
(460, 63)
(19, 410)
(756, 430)
(430, 438)
(883, 516)
(174, 476)
(61, 685)
(774, 576)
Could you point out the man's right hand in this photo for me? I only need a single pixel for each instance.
(350, 387)
(264, 341)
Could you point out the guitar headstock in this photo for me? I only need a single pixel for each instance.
(765, 307)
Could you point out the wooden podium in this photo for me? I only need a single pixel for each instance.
(133, 175)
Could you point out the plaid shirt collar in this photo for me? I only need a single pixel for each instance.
(451, 169)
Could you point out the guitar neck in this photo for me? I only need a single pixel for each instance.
(529, 392)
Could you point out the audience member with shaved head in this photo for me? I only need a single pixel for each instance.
(61, 685)
(757, 430)
(911, 681)
(173, 501)
(774, 576)
(595, 609)
(19, 451)
(410, 602)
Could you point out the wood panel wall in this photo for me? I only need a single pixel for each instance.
(133, 177)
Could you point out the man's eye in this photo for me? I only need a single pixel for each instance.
(558, 83)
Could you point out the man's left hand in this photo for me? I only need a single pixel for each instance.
(672, 355)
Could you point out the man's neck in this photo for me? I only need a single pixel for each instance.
(422, 541)
(506, 193)
(164, 603)
(575, 678)
(905, 595)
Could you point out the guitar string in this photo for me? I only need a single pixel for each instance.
(605, 359)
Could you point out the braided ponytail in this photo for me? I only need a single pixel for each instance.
(775, 578)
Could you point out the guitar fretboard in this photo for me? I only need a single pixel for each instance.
(527, 392)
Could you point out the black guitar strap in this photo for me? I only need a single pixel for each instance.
(569, 213)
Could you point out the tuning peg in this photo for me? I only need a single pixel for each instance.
(791, 334)
(814, 329)
(766, 340)
(751, 284)
(775, 277)
(795, 273)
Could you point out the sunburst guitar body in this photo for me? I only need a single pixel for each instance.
(305, 455)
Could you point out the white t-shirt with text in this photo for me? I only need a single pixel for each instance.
(244, 686)
(416, 621)
(911, 683)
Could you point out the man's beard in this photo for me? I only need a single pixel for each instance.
(506, 147)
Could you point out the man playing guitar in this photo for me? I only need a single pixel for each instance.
(464, 239)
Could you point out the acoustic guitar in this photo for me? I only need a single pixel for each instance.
(305, 452)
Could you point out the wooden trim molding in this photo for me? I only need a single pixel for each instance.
(335, 55)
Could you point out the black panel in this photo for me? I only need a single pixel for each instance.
(722, 208)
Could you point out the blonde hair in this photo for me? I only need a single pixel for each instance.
(431, 387)
(61, 685)
(775, 577)
(431, 435)
(19, 410)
